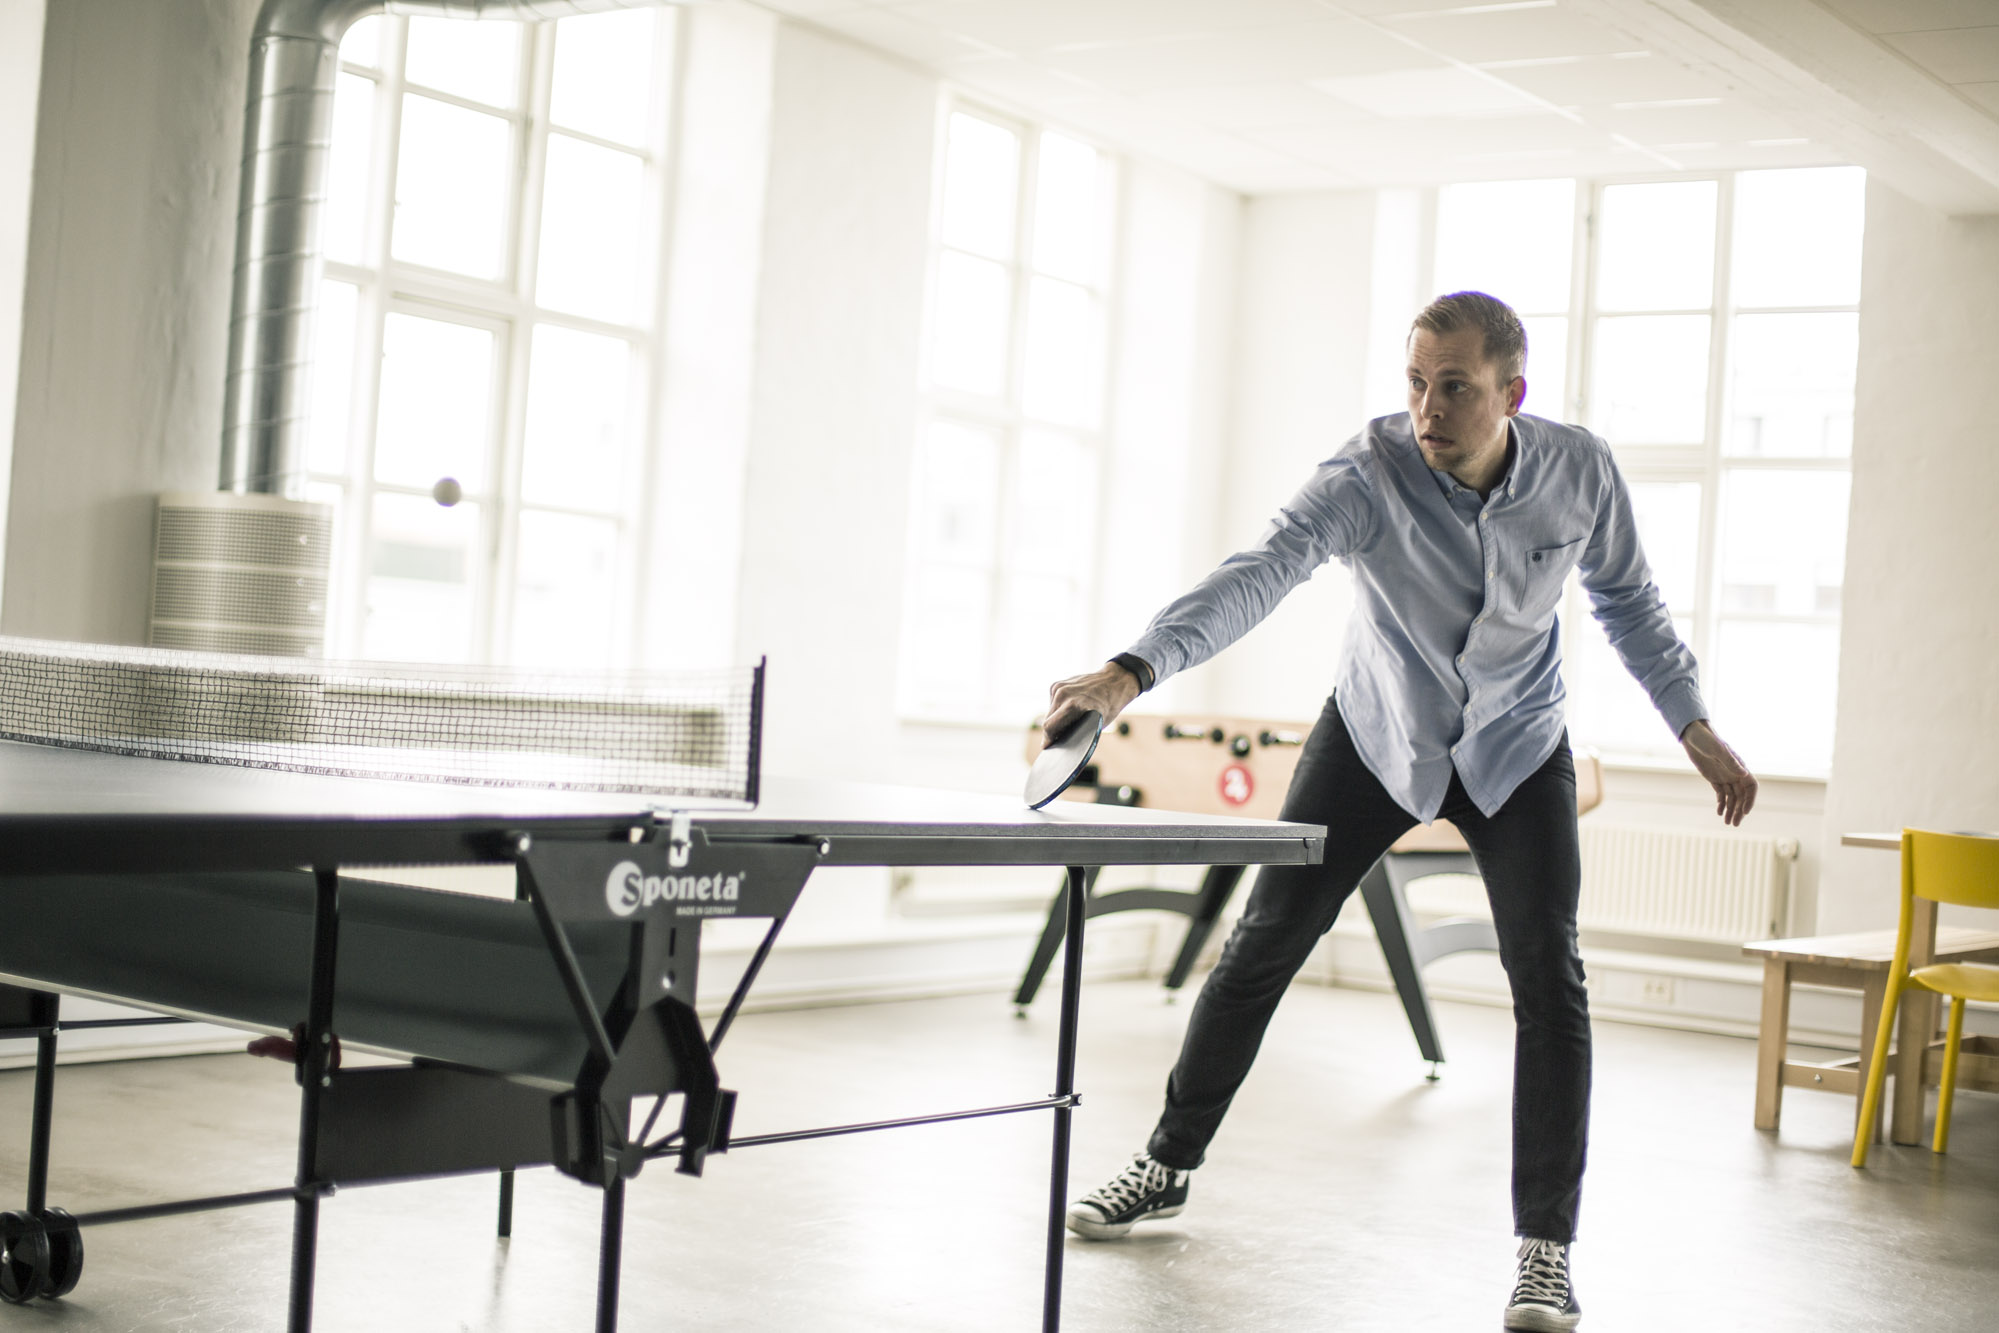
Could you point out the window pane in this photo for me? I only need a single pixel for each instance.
(1547, 366)
(590, 231)
(1041, 618)
(565, 590)
(946, 626)
(577, 450)
(420, 581)
(1775, 686)
(332, 376)
(347, 175)
(452, 187)
(1656, 247)
(477, 60)
(1054, 500)
(981, 178)
(1071, 210)
(1065, 358)
(958, 514)
(603, 74)
(362, 43)
(1669, 526)
(968, 342)
(436, 401)
(1607, 708)
(1509, 239)
(1790, 390)
(1651, 379)
(1783, 541)
(1797, 236)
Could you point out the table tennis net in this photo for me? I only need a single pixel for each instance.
(682, 733)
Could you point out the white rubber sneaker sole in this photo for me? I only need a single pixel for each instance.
(1541, 1319)
(1086, 1224)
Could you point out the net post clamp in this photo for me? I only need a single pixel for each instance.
(679, 835)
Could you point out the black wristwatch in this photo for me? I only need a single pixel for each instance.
(1140, 669)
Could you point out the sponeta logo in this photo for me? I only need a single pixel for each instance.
(628, 888)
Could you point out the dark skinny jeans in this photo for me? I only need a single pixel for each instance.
(1527, 855)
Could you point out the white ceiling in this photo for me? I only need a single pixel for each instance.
(1271, 95)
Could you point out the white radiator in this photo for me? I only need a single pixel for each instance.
(1715, 887)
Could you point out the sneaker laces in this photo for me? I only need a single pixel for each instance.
(1544, 1274)
(1144, 1176)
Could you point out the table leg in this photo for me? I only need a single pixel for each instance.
(1873, 995)
(1914, 1028)
(1065, 1086)
(1772, 1036)
(314, 1074)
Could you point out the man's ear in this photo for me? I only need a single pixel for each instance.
(1516, 394)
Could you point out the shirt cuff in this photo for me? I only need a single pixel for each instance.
(1681, 705)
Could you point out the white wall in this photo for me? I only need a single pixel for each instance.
(839, 319)
(1919, 642)
(125, 322)
(20, 85)
(1300, 367)
(707, 358)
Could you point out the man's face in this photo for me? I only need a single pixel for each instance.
(1458, 405)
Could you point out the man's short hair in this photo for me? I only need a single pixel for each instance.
(1501, 334)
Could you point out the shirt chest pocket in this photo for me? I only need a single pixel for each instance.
(1539, 574)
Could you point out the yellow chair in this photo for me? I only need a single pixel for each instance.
(1944, 868)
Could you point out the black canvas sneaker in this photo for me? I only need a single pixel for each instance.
(1543, 1298)
(1145, 1189)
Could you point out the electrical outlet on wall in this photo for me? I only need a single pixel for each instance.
(1658, 991)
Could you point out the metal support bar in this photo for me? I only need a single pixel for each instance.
(1076, 892)
(743, 986)
(832, 1131)
(106, 1216)
(566, 966)
(610, 1247)
(313, 1078)
(506, 1227)
(42, 1122)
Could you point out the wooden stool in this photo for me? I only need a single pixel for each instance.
(1852, 962)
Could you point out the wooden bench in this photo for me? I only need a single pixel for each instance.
(1857, 961)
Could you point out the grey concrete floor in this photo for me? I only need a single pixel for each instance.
(1344, 1193)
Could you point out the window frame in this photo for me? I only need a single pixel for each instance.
(1707, 464)
(1005, 414)
(507, 304)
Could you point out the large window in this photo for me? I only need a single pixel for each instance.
(1009, 454)
(1716, 321)
(490, 287)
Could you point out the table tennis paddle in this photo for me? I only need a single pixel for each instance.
(1063, 758)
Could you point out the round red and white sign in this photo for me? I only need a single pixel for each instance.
(1237, 785)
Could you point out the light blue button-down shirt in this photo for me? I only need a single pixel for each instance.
(1453, 652)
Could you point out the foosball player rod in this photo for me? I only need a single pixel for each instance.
(1074, 894)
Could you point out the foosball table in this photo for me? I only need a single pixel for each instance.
(1204, 764)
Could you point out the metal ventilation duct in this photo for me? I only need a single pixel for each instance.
(294, 60)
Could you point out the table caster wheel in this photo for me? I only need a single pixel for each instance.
(24, 1257)
(65, 1253)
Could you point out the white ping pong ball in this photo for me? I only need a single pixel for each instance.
(447, 492)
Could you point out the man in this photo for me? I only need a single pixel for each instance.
(1460, 523)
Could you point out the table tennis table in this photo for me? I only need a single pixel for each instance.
(528, 1031)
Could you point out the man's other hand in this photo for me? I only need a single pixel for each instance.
(1109, 689)
(1734, 786)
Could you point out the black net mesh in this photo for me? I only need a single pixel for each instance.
(686, 733)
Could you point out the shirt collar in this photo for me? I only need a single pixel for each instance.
(1509, 482)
